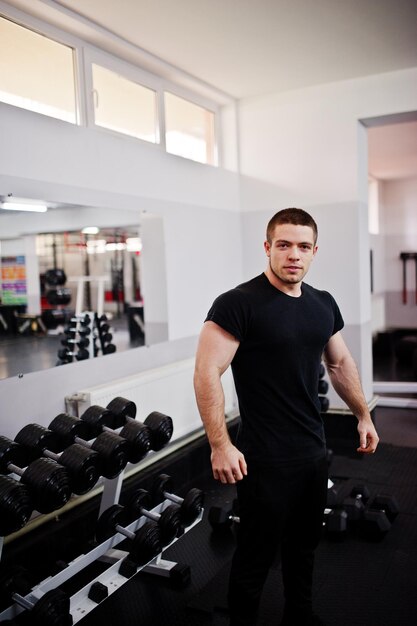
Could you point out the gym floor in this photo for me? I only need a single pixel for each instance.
(22, 354)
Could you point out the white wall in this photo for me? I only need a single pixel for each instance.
(199, 204)
(300, 148)
(309, 149)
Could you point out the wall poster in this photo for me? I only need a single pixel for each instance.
(13, 280)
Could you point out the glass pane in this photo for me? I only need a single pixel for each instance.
(36, 73)
(189, 129)
(124, 106)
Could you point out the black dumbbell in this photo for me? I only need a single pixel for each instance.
(169, 520)
(371, 524)
(109, 349)
(48, 482)
(52, 609)
(80, 355)
(221, 519)
(145, 543)
(190, 506)
(15, 505)
(324, 404)
(81, 342)
(160, 425)
(137, 435)
(333, 496)
(154, 433)
(355, 503)
(323, 386)
(113, 450)
(83, 464)
(386, 503)
(336, 523)
(83, 319)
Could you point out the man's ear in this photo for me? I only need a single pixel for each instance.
(267, 247)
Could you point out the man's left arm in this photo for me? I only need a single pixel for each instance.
(345, 379)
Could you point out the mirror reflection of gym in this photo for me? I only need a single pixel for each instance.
(91, 276)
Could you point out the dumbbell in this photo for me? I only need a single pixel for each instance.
(83, 464)
(15, 505)
(323, 386)
(335, 523)
(52, 609)
(333, 496)
(169, 520)
(160, 425)
(48, 482)
(355, 503)
(145, 542)
(109, 349)
(386, 503)
(372, 524)
(81, 342)
(378, 517)
(84, 319)
(221, 519)
(80, 355)
(113, 450)
(190, 506)
(324, 404)
(138, 436)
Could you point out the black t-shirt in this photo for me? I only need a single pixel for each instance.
(276, 366)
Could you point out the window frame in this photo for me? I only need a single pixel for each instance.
(85, 54)
(58, 36)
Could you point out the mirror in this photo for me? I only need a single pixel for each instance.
(52, 272)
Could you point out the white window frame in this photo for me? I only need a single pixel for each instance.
(200, 101)
(47, 30)
(130, 72)
(85, 54)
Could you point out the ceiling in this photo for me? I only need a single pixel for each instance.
(250, 48)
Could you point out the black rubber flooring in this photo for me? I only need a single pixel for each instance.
(357, 582)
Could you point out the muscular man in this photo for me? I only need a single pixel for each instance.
(274, 330)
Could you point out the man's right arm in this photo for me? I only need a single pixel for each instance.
(216, 349)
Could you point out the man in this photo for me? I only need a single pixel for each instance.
(274, 331)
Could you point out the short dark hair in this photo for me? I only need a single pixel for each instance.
(299, 217)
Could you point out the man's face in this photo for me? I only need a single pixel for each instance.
(290, 252)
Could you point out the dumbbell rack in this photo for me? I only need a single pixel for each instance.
(111, 578)
(75, 329)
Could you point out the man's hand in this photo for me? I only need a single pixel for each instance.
(228, 464)
(368, 437)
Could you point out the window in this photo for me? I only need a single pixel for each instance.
(123, 105)
(189, 129)
(36, 73)
(55, 73)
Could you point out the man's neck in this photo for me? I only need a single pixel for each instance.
(290, 289)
